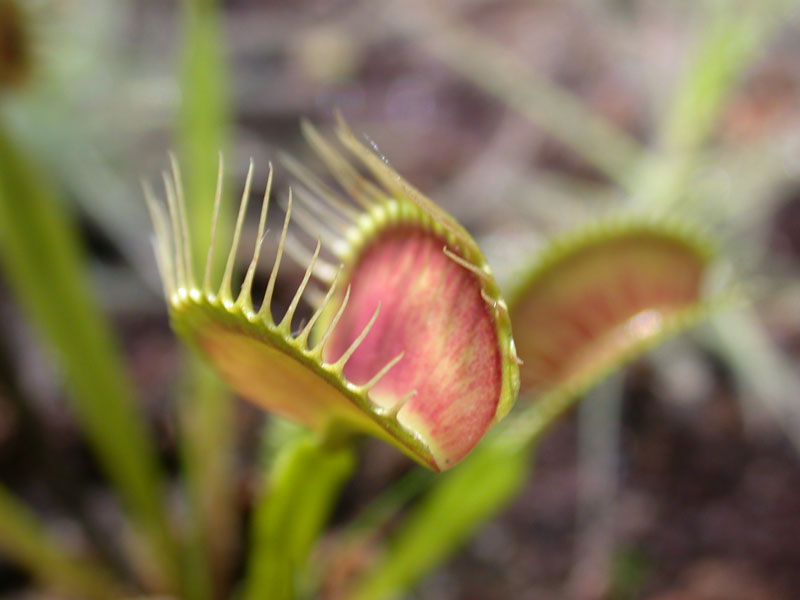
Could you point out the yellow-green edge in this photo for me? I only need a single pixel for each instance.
(392, 212)
(611, 228)
(212, 311)
(556, 400)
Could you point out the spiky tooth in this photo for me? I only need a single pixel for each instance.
(467, 265)
(320, 346)
(316, 227)
(335, 219)
(187, 240)
(365, 193)
(265, 310)
(394, 410)
(318, 187)
(323, 270)
(225, 290)
(177, 237)
(306, 331)
(286, 322)
(380, 374)
(214, 221)
(245, 299)
(161, 241)
(342, 361)
(314, 297)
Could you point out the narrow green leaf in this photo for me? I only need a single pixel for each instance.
(303, 486)
(206, 409)
(206, 428)
(204, 113)
(24, 540)
(43, 263)
(733, 36)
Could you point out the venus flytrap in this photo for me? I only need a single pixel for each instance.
(411, 341)
(595, 299)
(597, 293)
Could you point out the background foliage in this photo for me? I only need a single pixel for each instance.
(127, 469)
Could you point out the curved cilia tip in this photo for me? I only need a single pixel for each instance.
(410, 340)
(601, 296)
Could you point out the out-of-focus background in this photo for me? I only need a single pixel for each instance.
(522, 118)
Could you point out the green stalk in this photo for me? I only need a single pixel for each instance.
(24, 540)
(730, 44)
(204, 114)
(456, 506)
(304, 483)
(43, 262)
(206, 430)
(206, 410)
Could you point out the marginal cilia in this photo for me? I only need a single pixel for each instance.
(411, 339)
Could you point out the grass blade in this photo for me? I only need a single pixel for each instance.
(205, 410)
(43, 263)
(731, 41)
(204, 113)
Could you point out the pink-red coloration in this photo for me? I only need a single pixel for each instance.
(431, 310)
(596, 302)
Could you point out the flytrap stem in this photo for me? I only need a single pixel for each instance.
(305, 477)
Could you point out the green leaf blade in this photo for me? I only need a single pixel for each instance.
(43, 262)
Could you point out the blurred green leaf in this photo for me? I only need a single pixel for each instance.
(204, 115)
(206, 409)
(303, 486)
(206, 427)
(43, 262)
(24, 540)
(733, 36)
(760, 368)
